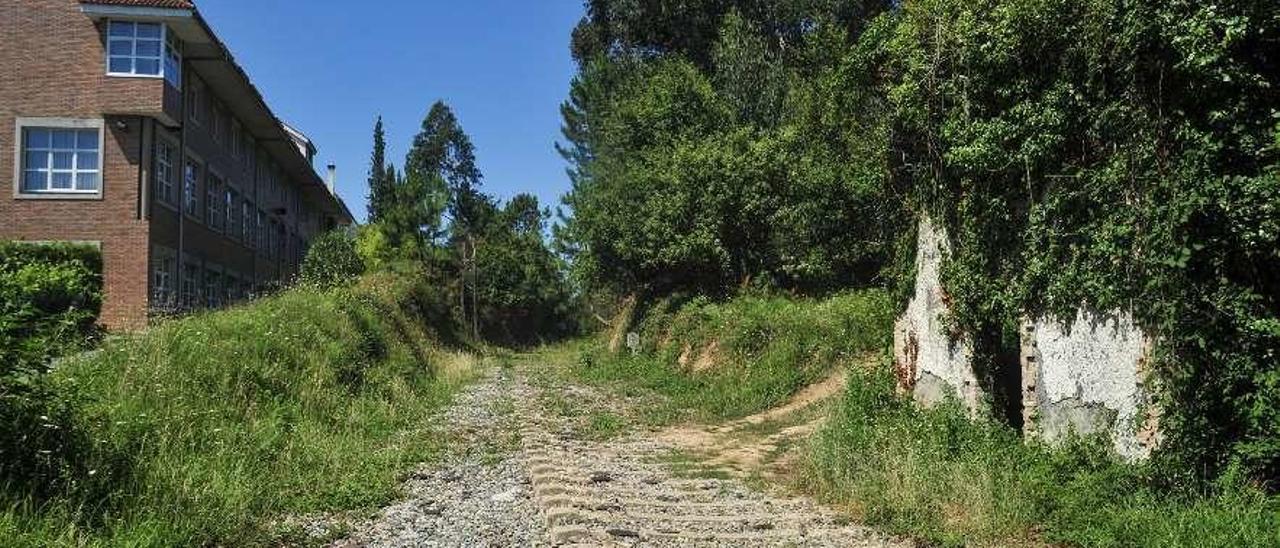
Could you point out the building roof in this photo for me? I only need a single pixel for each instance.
(175, 4)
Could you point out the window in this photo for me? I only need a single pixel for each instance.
(135, 49)
(273, 240)
(190, 188)
(261, 233)
(214, 215)
(212, 288)
(61, 159)
(233, 214)
(163, 271)
(219, 122)
(172, 60)
(246, 218)
(248, 153)
(166, 156)
(195, 101)
(190, 285)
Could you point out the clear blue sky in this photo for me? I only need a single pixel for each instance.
(330, 67)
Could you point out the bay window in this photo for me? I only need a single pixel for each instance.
(145, 49)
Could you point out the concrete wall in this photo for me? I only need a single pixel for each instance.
(1089, 376)
(929, 363)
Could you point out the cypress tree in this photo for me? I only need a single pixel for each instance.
(379, 187)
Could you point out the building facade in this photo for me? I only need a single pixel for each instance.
(127, 124)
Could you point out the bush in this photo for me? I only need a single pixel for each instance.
(50, 296)
(208, 428)
(374, 248)
(332, 261)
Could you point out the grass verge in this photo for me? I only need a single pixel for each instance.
(206, 430)
(935, 475)
(715, 361)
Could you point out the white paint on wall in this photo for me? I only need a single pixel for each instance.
(928, 362)
(1090, 379)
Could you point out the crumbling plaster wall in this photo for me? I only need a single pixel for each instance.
(929, 363)
(1089, 376)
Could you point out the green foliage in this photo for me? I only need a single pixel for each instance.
(755, 352)
(443, 150)
(508, 286)
(521, 286)
(332, 261)
(1115, 155)
(382, 178)
(374, 248)
(937, 475)
(50, 296)
(1102, 153)
(205, 430)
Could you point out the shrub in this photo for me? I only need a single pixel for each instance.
(332, 260)
(208, 428)
(374, 247)
(50, 296)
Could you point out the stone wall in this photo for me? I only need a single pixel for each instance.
(929, 363)
(1090, 377)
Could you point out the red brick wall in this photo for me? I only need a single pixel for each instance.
(53, 65)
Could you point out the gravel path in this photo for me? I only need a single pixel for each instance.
(522, 478)
(480, 495)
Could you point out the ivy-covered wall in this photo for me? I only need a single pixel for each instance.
(1114, 155)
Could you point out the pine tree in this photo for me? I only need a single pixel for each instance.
(380, 192)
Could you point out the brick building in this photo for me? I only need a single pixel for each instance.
(128, 124)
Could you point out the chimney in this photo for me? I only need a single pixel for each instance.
(332, 180)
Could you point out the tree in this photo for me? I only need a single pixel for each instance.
(523, 292)
(443, 152)
(443, 149)
(381, 187)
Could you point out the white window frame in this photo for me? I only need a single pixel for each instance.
(231, 212)
(213, 299)
(177, 172)
(160, 59)
(164, 300)
(172, 59)
(214, 217)
(191, 292)
(197, 211)
(19, 158)
(218, 122)
(194, 98)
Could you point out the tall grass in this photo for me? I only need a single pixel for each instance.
(760, 350)
(205, 430)
(932, 474)
(936, 475)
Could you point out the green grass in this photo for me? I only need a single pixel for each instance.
(604, 425)
(206, 430)
(936, 475)
(766, 349)
(686, 466)
(929, 474)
